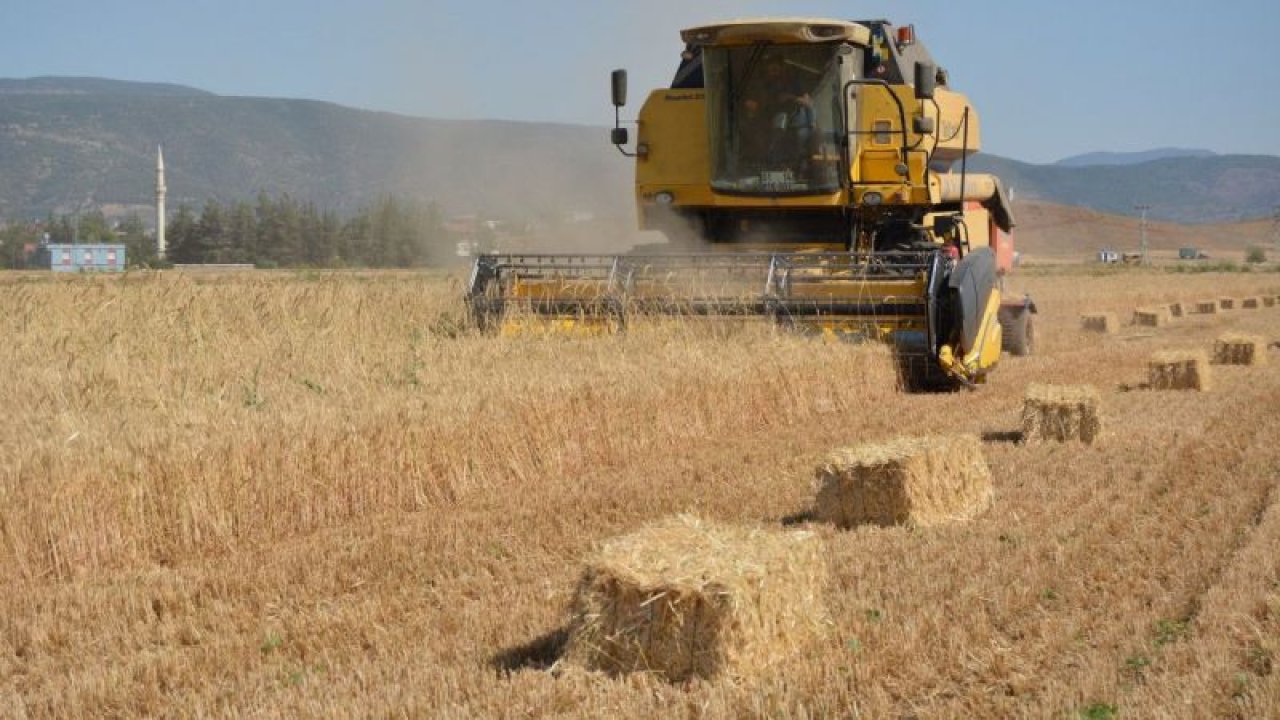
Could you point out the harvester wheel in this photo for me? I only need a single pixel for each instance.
(1019, 333)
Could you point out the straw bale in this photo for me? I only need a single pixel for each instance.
(1102, 322)
(1251, 303)
(1235, 349)
(1176, 310)
(911, 481)
(1268, 301)
(1061, 413)
(1151, 316)
(684, 598)
(1179, 370)
(1207, 307)
(1227, 303)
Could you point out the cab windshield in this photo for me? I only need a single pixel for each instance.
(773, 113)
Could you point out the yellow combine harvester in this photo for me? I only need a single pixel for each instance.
(812, 172)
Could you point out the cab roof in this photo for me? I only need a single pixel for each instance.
(749, 31)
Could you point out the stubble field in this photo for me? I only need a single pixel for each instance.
(311, 495)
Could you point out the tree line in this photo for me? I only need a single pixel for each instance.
(270, 232)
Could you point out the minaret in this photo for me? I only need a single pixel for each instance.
(161, 247)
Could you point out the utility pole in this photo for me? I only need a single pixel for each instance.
(1143, 244)
(1275, 230)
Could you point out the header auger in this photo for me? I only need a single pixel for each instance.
(809, 172)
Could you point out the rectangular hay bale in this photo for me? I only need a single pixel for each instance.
(1151, 316)
(908, 481)
(1207, 307)
(1061, 413)
(1268, 301)
(1179, 370)
(1235, 349)
(684, 598)
(1226, 303)
(1250, 303)
(1176, 310)
(1103, 322)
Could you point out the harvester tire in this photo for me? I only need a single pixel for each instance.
(1019, 333)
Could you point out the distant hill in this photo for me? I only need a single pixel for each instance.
(1046, 230)
(1221, 188)
(1131, 158)
(93, 86)
(69, 144)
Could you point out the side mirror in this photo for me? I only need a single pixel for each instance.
(618, 136)
(926, 80)
(619, 88)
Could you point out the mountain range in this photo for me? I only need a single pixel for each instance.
(1131, 158)
(73, 144)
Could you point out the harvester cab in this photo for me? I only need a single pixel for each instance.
(811, 172)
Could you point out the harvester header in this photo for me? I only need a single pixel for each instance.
(812, 172)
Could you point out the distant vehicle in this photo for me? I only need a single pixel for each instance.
(1190, 253)
(1108, 257)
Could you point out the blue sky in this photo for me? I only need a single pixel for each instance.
(1050, 79)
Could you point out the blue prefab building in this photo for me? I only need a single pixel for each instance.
(81, 258)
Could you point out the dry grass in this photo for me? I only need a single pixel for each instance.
(285, 496)
(683, 598)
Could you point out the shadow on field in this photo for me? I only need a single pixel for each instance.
(538, 654)
(995, 437)
(800, 518)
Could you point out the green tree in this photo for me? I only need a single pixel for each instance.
(212, 231)
(321, 232)
(14, 240)
(60, 229)
(242, 234)
(354, 242)
(140, 249)
(279, 230)
(92, 228)
(183, 237)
